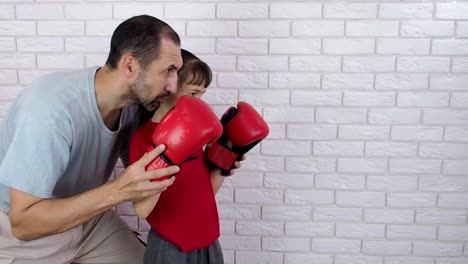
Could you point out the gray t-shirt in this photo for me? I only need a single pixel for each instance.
(54, 143)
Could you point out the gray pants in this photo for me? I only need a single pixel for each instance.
(104, 239)
(160, 251)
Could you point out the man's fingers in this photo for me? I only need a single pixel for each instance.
(158, 173)
(150, 156)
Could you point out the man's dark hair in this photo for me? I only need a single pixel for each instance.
(140, 36)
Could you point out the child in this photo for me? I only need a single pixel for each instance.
(184, 218)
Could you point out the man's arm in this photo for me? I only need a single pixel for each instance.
(32, 217)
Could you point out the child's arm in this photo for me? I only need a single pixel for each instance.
(217, 178)
(144, 207)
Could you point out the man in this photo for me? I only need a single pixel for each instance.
(60, 142)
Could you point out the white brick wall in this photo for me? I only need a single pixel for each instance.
(367, 101)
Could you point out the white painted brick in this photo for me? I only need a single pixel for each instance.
(96, 59)
(376, 28)
(252, 257)
(101, 28)
(295, 46)
(310, 229)
(406, 10)
(462, 29)
(39, 11)
(443, 150)
(452, 260)
(240, 242)
(360, 230)
(399, 81)
(341, 115)
(416, 133)
(17, 60)
(358, 259)
(60, 61)
(449, 81)
(315, 63)
(452, 10)
(7, 44)
(242, 80)
(212, 28)
(363, 132)
(453, 233)
(394, 116)
(285, 244)
(459, 100)
(335, 245)
(300, 258)
(403, 46)
(337, 214)
(316, 197)
(386, 248)
(411, 232)
(289, 180)
(40, 44)
(368, 64)
(394, 216)
(27, 76)
(61, 28)
(242, 10)
(287, 212)
(259, 228)
(448, 117)
(314, 98)
(440, 217)
(189, 10)
(318, 28)
(245, 178)
(199, 45)
(228, 256)
(225, 195)
(421, 28)
(242, 46)
(234, 211)
(227, 226)
(17, 28)
(390, 149)
(89, 44)
(264, 28)
(423, 99)
(367, 165)
(415, 166)
(294, 80)
(338, 148)
(310, 164)
(423, 64)
(450, 47)
(348, 46)
(88, 11)
(455, 167)
(9, 92)
(340, 182)
(295, 10)
(286, 147)
(7, 11)
(350, 10)
(447, 200)
(124, 11)
(364, 199)
(411, 199)
(347, 81)
(456, 134)
(263, 163)
(408, 260)
(220, 62)
(264, 97)
(311, 131)
(218, 96)
(438, 249)
(258, 196)
(289, 114)
(369, 98)
(8, 77)
(262, 63)
(392, 183)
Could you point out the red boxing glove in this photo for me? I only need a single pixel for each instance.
(243, 129)
(184, 129)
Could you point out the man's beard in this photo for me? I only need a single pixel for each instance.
(141, 94)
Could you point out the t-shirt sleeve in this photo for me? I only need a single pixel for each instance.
(36, 158)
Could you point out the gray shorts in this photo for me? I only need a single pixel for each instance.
(160, 251)
(104, 239)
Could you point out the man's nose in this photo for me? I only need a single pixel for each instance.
(172, 84)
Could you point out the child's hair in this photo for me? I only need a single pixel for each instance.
(193, 71)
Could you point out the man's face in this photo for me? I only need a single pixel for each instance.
(154, 84)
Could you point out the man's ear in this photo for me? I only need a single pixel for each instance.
(129, 66)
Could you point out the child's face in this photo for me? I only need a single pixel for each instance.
(187, 89)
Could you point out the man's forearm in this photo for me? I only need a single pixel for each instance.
(52, 216)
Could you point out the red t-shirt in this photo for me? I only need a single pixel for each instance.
(186, 213)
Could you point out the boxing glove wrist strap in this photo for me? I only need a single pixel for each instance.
(221, 156)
